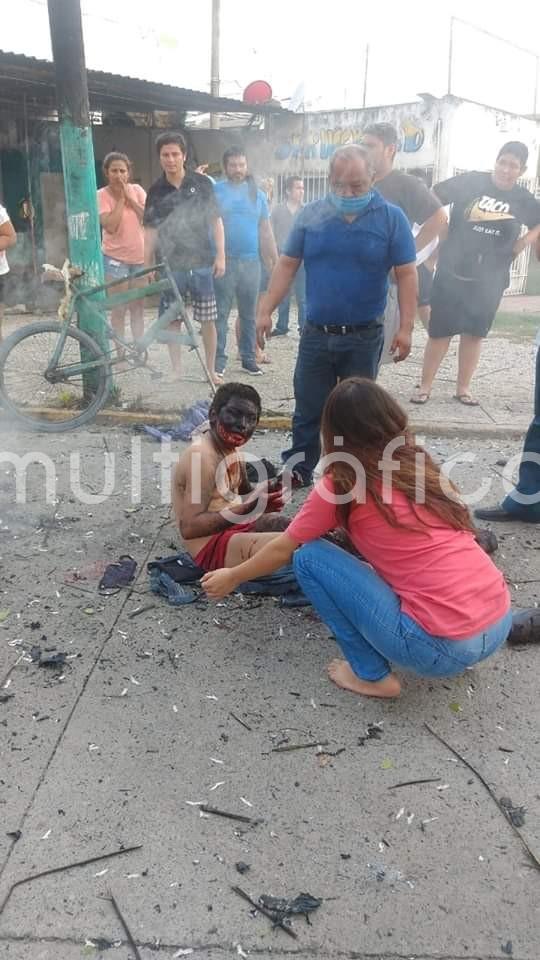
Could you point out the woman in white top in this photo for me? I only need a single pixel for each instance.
(8, 238)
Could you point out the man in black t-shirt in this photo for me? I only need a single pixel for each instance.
(486, 220)
(180, 216)
(422, 209)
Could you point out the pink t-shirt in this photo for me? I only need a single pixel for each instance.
(445, 581)
(127, 243)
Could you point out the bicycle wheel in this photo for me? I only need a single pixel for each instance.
(36, 400)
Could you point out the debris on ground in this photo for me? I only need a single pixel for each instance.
(374, 731)
(94, 571)
(267, 913)
(516, 815)
(241, 867)
(52, 660)
(282, 908)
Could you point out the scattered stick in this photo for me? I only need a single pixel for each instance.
(300, 746)
(241, 722)
(127, 931)
(411, 783)
(265, 912)
(67, 866)
(139, 610)
(225, 813)
(534, 858)
(11, 669)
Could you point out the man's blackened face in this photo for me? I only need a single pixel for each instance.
(235, 422)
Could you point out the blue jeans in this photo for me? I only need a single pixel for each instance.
(299, 290)
(242, 280)
(365, 616)
(322, 360)
(529, 471)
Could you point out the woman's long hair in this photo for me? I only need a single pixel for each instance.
(362, 423)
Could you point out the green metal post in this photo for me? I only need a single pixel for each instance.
(77, 152)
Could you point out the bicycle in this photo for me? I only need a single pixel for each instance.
(55, 377)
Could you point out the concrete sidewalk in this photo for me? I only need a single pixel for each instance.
(143, 721)
(503, 383)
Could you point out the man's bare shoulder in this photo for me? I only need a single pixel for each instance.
(201, 450)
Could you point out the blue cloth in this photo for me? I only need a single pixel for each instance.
(241, 217)
(323, 360)
(242, 280)
(177, 595)
(347, 263)
(168, 576)
(365, 616)
(299, 290)
(193, 417)
(528, 484)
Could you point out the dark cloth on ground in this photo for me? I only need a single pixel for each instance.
(118, 574)
(169, 576)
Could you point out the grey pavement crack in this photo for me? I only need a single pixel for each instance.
(273, 949)
(65, 726)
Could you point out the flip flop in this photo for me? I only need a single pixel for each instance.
(420, 398)
(466, 400)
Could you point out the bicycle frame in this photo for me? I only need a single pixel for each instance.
(175, 311)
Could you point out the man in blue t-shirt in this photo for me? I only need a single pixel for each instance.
(349, 242)
(248, 236)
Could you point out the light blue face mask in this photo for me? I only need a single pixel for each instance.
(350, 206)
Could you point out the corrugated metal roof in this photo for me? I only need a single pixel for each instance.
(109, 90)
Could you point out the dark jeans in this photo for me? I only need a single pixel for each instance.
(299, 290)
(324, 359)
(242, 280)
(529, 469)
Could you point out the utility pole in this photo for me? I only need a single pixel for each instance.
(78, 163)
(450, 55)
(366, 68)
(214, 66)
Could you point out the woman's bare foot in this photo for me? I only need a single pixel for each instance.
(341, 674)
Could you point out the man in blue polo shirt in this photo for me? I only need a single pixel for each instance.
(349, 241)
(248, 237)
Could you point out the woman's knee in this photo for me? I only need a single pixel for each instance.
(312, 554)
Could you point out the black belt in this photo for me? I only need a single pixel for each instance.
(340, 330)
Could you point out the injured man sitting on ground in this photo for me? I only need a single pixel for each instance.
(223, 518)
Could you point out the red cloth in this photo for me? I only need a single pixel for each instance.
(212, 555)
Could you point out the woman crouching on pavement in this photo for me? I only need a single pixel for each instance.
(423, 594)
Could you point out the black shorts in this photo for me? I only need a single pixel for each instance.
(425, 283)
(464, 306)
